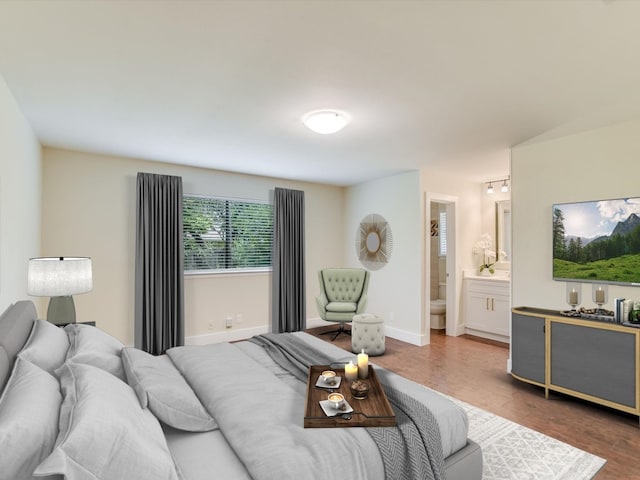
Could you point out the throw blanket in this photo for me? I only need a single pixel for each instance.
(412, 450)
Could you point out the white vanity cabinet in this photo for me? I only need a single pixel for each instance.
(487, 307)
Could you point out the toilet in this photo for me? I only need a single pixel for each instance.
(438, 308)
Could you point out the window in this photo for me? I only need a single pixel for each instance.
(443, 233)
(221, 234)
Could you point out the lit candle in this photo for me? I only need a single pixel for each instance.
(350, 371)
(573, 297)
(600, 295)
(363, 365)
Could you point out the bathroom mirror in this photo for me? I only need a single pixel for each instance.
(503, 231)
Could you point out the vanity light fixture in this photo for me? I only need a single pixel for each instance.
(325, 121)
(504, 188)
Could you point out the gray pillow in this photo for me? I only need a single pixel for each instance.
(46, 347)
(5, 367)
(104, 432)
(162, 388)
(92, 346)
(16, 324)
(29, 410)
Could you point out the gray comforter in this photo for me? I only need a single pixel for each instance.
(262, 419)
(259, 407)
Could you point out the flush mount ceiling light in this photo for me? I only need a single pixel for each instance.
(325, 121)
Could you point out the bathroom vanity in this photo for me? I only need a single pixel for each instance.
(487, 309)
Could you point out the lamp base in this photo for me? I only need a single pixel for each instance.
(61, 310)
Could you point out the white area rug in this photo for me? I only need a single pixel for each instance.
(511, 451)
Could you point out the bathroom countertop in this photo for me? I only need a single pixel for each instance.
(505, 278)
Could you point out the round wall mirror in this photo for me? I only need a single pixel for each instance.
(374, 242)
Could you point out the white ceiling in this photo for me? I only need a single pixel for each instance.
(449, 85)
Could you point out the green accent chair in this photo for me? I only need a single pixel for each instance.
(343, 294)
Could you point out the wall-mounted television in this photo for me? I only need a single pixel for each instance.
(597, 241)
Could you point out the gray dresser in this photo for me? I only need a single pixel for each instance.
(590, 359)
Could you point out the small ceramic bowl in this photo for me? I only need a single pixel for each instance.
(359, 389)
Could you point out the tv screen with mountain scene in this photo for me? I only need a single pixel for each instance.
(597, 242)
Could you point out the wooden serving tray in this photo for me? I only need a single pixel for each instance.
(373, 411)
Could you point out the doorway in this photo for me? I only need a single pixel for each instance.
(440, 260)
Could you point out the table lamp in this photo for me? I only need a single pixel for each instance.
(59, 278)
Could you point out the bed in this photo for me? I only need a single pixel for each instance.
(77, 404)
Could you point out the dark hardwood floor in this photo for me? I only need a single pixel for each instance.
(475, 370)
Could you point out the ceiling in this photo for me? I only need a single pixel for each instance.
(445, 85)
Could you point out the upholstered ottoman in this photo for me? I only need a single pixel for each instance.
(367, 333)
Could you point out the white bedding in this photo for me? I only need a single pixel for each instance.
(204, 455)
(452, 420)
(260, 437)
(262, 419)
(192, 448)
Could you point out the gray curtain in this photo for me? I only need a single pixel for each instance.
(159, 286)
(288, 289)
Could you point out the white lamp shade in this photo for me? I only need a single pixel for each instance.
(325, 121)
(59, 276)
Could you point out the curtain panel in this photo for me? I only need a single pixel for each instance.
(288, 285)
(159, 284)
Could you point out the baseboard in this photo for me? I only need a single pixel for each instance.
(318, 322)
(235, 334)
(490, 336)
(404, 336)
(231, 335)
(389, 331)
(459, 330)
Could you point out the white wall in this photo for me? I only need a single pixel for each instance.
(89, 209)
(20, 173)
(395, 290)
(594, 165)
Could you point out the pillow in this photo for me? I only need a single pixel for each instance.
(46, 347)
(104, 432)
(5, 367)
(16, 324)
(160, 387)
(92, 346)
(29, 411)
